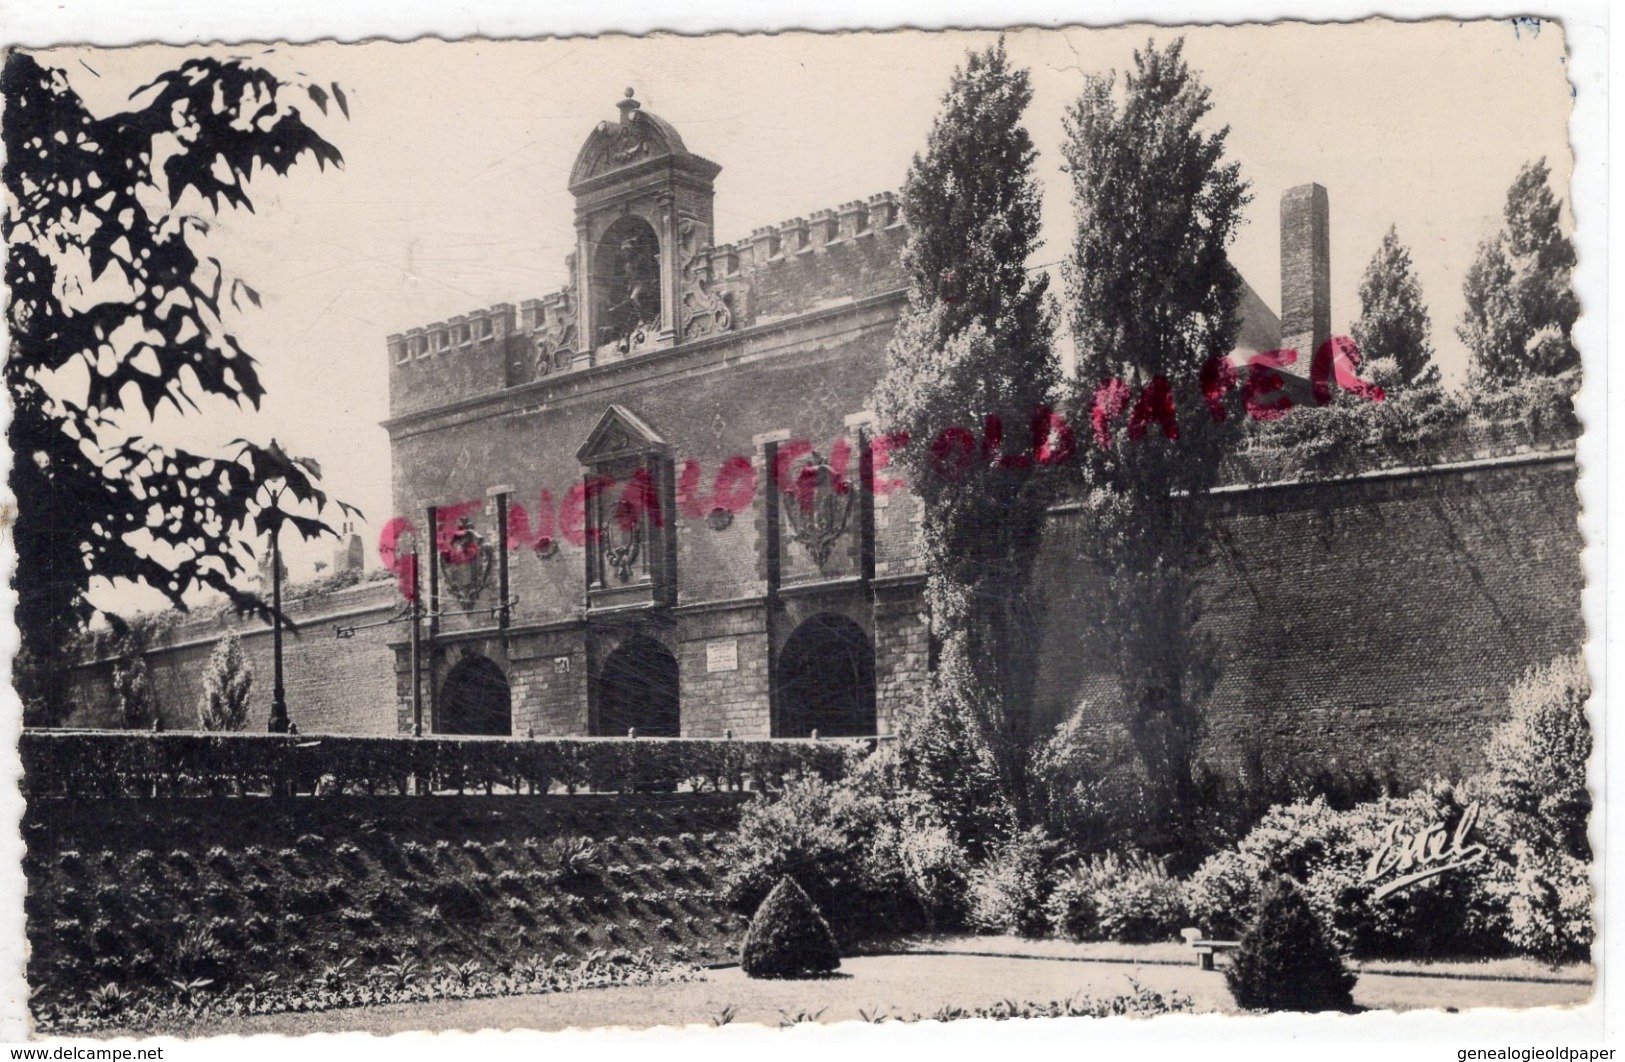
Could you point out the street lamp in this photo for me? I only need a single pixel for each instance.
(279, 723)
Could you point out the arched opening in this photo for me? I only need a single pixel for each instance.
(475, 699)
(626, 280)
(826, 680)
(638, 689)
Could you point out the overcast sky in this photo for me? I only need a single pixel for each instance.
(452, 196)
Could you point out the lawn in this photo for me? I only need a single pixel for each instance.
(914, 983)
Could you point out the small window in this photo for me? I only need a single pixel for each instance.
(421, 345)
(485, 328)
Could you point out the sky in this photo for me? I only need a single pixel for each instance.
(452, 195)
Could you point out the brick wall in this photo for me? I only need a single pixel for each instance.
(332, 685)
(1366, 625)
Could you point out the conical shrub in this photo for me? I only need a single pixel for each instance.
(788, 937)
(1287, 960)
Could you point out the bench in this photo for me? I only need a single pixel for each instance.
(1206, 949)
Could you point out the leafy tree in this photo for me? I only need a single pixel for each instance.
(1521, 305)
(113, 315)
(1152, 299)
(974, 349)
(226, 686)
(1394, 323)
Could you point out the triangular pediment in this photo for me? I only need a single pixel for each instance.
(619, 433)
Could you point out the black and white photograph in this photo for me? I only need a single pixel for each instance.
(745, 529)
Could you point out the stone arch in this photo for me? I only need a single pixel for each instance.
(638, 689)
(626, 283)
(475, 699)
(825, 680)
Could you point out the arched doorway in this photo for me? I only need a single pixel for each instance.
(638, 689)
(475, 699)
(826, 680)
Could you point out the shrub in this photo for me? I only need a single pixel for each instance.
(1130, 899)
(1548, 904)
(228, 680)
(1536, 761)
(1091, 786)
(788, 937)
(825, 836)
(1008, 892)
(1328, 852)
(1287, 960)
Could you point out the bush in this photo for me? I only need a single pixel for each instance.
(843, 845)
(1328, 851)
(788, 937)
(1287, 960)
(226, 686)
(1091, 786)
(1008, 892)
(1548, 902)
(1535, 774)
(1130, 899)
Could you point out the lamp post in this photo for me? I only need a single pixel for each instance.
(279, 723)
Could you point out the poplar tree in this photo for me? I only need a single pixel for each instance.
(1394, 322)
(973, 353)
(226, 686)
(1521, 305)
(1152, 299)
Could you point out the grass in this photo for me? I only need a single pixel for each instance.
(877, 986)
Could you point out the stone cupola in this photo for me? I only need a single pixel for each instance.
(643, 217)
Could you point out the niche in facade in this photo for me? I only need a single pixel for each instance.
(626, 282)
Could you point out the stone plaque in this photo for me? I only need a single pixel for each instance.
(722, 655)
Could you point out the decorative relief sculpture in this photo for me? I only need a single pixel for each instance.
(818, 508)
(466, 561)
(624, 541)
(705, 312)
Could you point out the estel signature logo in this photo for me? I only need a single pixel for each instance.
(1416, 857)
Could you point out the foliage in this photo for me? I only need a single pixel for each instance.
(1394, 322)
(973, 348)
(1549, 902)
(1287, 960)
(1537, 809)
(788, 937)
(1009, 890)
(1535, 762)
(132, 692)
(1089, 786)
(226, 686)
(1328, 851)
(1521, 305)
(1131, 899)
(828, 838)
(1152, 298)
(191, 764)
(114, 314)
(1140, 1003)
(401, 981)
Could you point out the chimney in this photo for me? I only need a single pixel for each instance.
(348, 555)
(1306, 272)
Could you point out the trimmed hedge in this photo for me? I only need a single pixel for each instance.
(121, 764)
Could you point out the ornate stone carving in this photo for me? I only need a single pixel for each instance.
(620, 145)
(623, 541)
(704, 311)
(466, 562)
(555, 335)
(818, 508)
